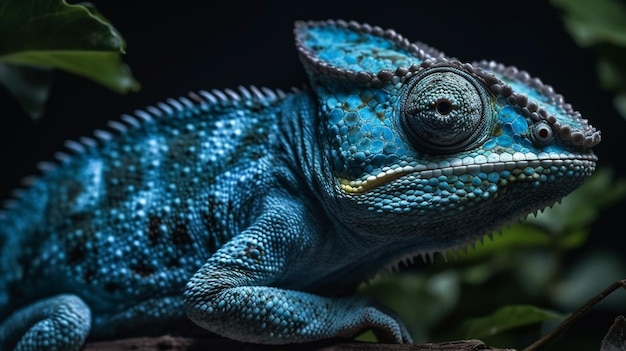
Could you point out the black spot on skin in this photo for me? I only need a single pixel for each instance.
(174, 262)
(89, 274)
(81, 217)
(25, 260)
(111, 287)
(73, 190)
(257, 155)
(142, 270)
(76, 253)
(208, 218)
(180, 235)
(212, 225)
(154, 223)
(253, 138)
(78, 250)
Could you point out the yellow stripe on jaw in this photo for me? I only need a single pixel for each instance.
(361, 186)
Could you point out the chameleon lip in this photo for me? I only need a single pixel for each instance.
(469, 165)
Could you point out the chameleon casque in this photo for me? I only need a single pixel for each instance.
(256, 213)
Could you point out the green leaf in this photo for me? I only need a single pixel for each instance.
(50, 25)
(620, 103)
(367, 336)
(601, 24)
(506, 318)
(594, 21)
(103, 67)
(37, 36)
(590, 273)
(611, 70)
(515, 237)
(581, 208)
(422, 300)
(30, 86)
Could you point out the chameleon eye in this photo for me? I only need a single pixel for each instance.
(541, 133)
(443, 110)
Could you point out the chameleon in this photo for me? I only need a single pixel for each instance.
(254, 213)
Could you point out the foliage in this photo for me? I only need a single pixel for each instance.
(601, 25)
(39, 36)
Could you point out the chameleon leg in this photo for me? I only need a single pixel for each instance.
(277, 316)
(238, 293)
(61, 322)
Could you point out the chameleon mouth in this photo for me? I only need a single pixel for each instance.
(520, 166)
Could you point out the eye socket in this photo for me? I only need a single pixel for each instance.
(445, 110)
(541, 134)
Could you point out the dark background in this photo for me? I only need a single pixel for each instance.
(177, 47)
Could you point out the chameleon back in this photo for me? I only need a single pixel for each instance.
(133, 212)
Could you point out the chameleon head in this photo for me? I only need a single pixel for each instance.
(414, 133)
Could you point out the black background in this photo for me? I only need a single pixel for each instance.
(177, 47)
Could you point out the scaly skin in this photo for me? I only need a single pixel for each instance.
(256, 213)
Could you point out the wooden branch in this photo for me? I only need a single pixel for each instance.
(172, 343)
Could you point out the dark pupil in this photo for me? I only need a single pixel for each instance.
(543, 133)
(443, 107)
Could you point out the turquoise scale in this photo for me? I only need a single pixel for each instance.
(373, 54)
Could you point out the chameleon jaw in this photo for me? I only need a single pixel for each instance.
(521, 166)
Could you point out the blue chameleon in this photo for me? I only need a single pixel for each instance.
(255, 213)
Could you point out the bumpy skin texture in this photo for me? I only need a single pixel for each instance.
(256, 213)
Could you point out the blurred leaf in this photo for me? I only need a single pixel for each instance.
(422, 300)
(601, 24)
(506, 318)
(29, 85)
(620, 103)
(514, 237)
(611, 72)
(594, 21)
(581, 208)
(591, 272)
(51, 25)
(51, 34)
(535, 270)
(103, 67)
(367, 336)
(521, 236)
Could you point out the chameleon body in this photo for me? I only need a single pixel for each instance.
(256, 213)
